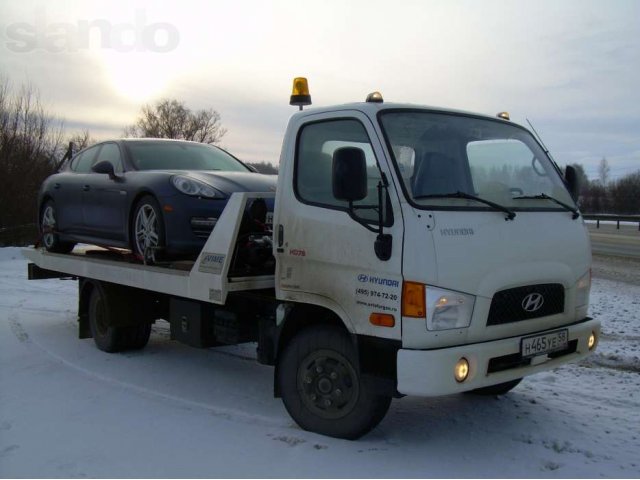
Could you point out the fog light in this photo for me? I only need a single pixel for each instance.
(592, 340)
(461, 371)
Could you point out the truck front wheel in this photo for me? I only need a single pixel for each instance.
(107, 337)
(322, 388)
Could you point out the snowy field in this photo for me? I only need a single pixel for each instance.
(70, 410)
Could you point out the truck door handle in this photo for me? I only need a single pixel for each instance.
(280, 238)
(86, 188)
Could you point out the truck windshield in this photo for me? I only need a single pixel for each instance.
(440, 154)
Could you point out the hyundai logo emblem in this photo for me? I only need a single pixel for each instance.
(532, 302)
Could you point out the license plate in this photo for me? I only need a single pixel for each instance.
(545, 343)
(269, 218)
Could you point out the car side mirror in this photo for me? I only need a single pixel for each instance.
(104, 167)
(573, 182)
(349, 174)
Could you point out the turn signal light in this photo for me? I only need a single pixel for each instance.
(413, 300)
(382, 319)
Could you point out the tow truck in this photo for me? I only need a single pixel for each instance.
(413, 251)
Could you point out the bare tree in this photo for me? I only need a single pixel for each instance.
(81, 140)
(170, 118)
(625, 194)
(30, 145)
(604, 171)
(77, 142)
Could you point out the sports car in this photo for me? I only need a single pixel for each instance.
(153, 196)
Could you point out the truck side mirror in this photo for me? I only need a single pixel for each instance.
(573, 182)
(349, 174)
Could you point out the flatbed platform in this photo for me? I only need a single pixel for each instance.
(206, 279)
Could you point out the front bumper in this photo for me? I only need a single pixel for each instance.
(429, 373)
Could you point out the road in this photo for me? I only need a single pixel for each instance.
(608, 240)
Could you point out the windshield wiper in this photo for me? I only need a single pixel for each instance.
(544, 196)
(510, 213)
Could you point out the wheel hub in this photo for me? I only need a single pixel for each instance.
(328, 384)
(147, 233)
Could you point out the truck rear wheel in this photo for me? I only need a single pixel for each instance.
(322, 388)
(107, 337)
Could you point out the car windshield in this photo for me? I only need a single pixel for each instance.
(439, 154)
(154, 155)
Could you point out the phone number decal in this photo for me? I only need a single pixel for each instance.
(376, 294)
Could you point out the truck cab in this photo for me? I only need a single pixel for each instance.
(486, 273)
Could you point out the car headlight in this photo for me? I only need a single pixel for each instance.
(583, 287)
(447, 309)
(195, 188)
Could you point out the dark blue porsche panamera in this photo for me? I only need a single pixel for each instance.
(147, 195)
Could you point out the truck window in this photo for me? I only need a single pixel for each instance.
(316, 144)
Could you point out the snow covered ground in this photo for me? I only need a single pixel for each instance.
(70, 410)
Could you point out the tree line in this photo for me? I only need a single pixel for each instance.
(603, 195)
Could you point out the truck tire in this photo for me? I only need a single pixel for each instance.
(138, 336)
(499, 389)
(109, 338)
(321, 386)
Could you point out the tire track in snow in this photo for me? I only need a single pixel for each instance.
(217, 411)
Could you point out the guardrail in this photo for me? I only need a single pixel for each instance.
(598, 217)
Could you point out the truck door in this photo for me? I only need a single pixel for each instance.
(325, 255)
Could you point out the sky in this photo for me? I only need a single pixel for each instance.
(571, 67)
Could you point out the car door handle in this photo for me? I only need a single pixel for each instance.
(86, 188)
(56, 186)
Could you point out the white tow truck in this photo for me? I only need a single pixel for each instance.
(416, 251)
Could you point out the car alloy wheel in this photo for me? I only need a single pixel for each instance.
(147, 231)
(48, 226)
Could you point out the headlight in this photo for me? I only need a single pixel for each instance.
(447, 309)
(189, 186)
(583, 287)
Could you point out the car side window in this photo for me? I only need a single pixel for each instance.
(84, 161)
(111, 153)
(314, 160)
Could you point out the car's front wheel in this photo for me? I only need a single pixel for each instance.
(148, 236)
(48, 225)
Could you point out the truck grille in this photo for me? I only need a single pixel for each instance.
(509, 305)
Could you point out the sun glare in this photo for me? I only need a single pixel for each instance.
(138, 76)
